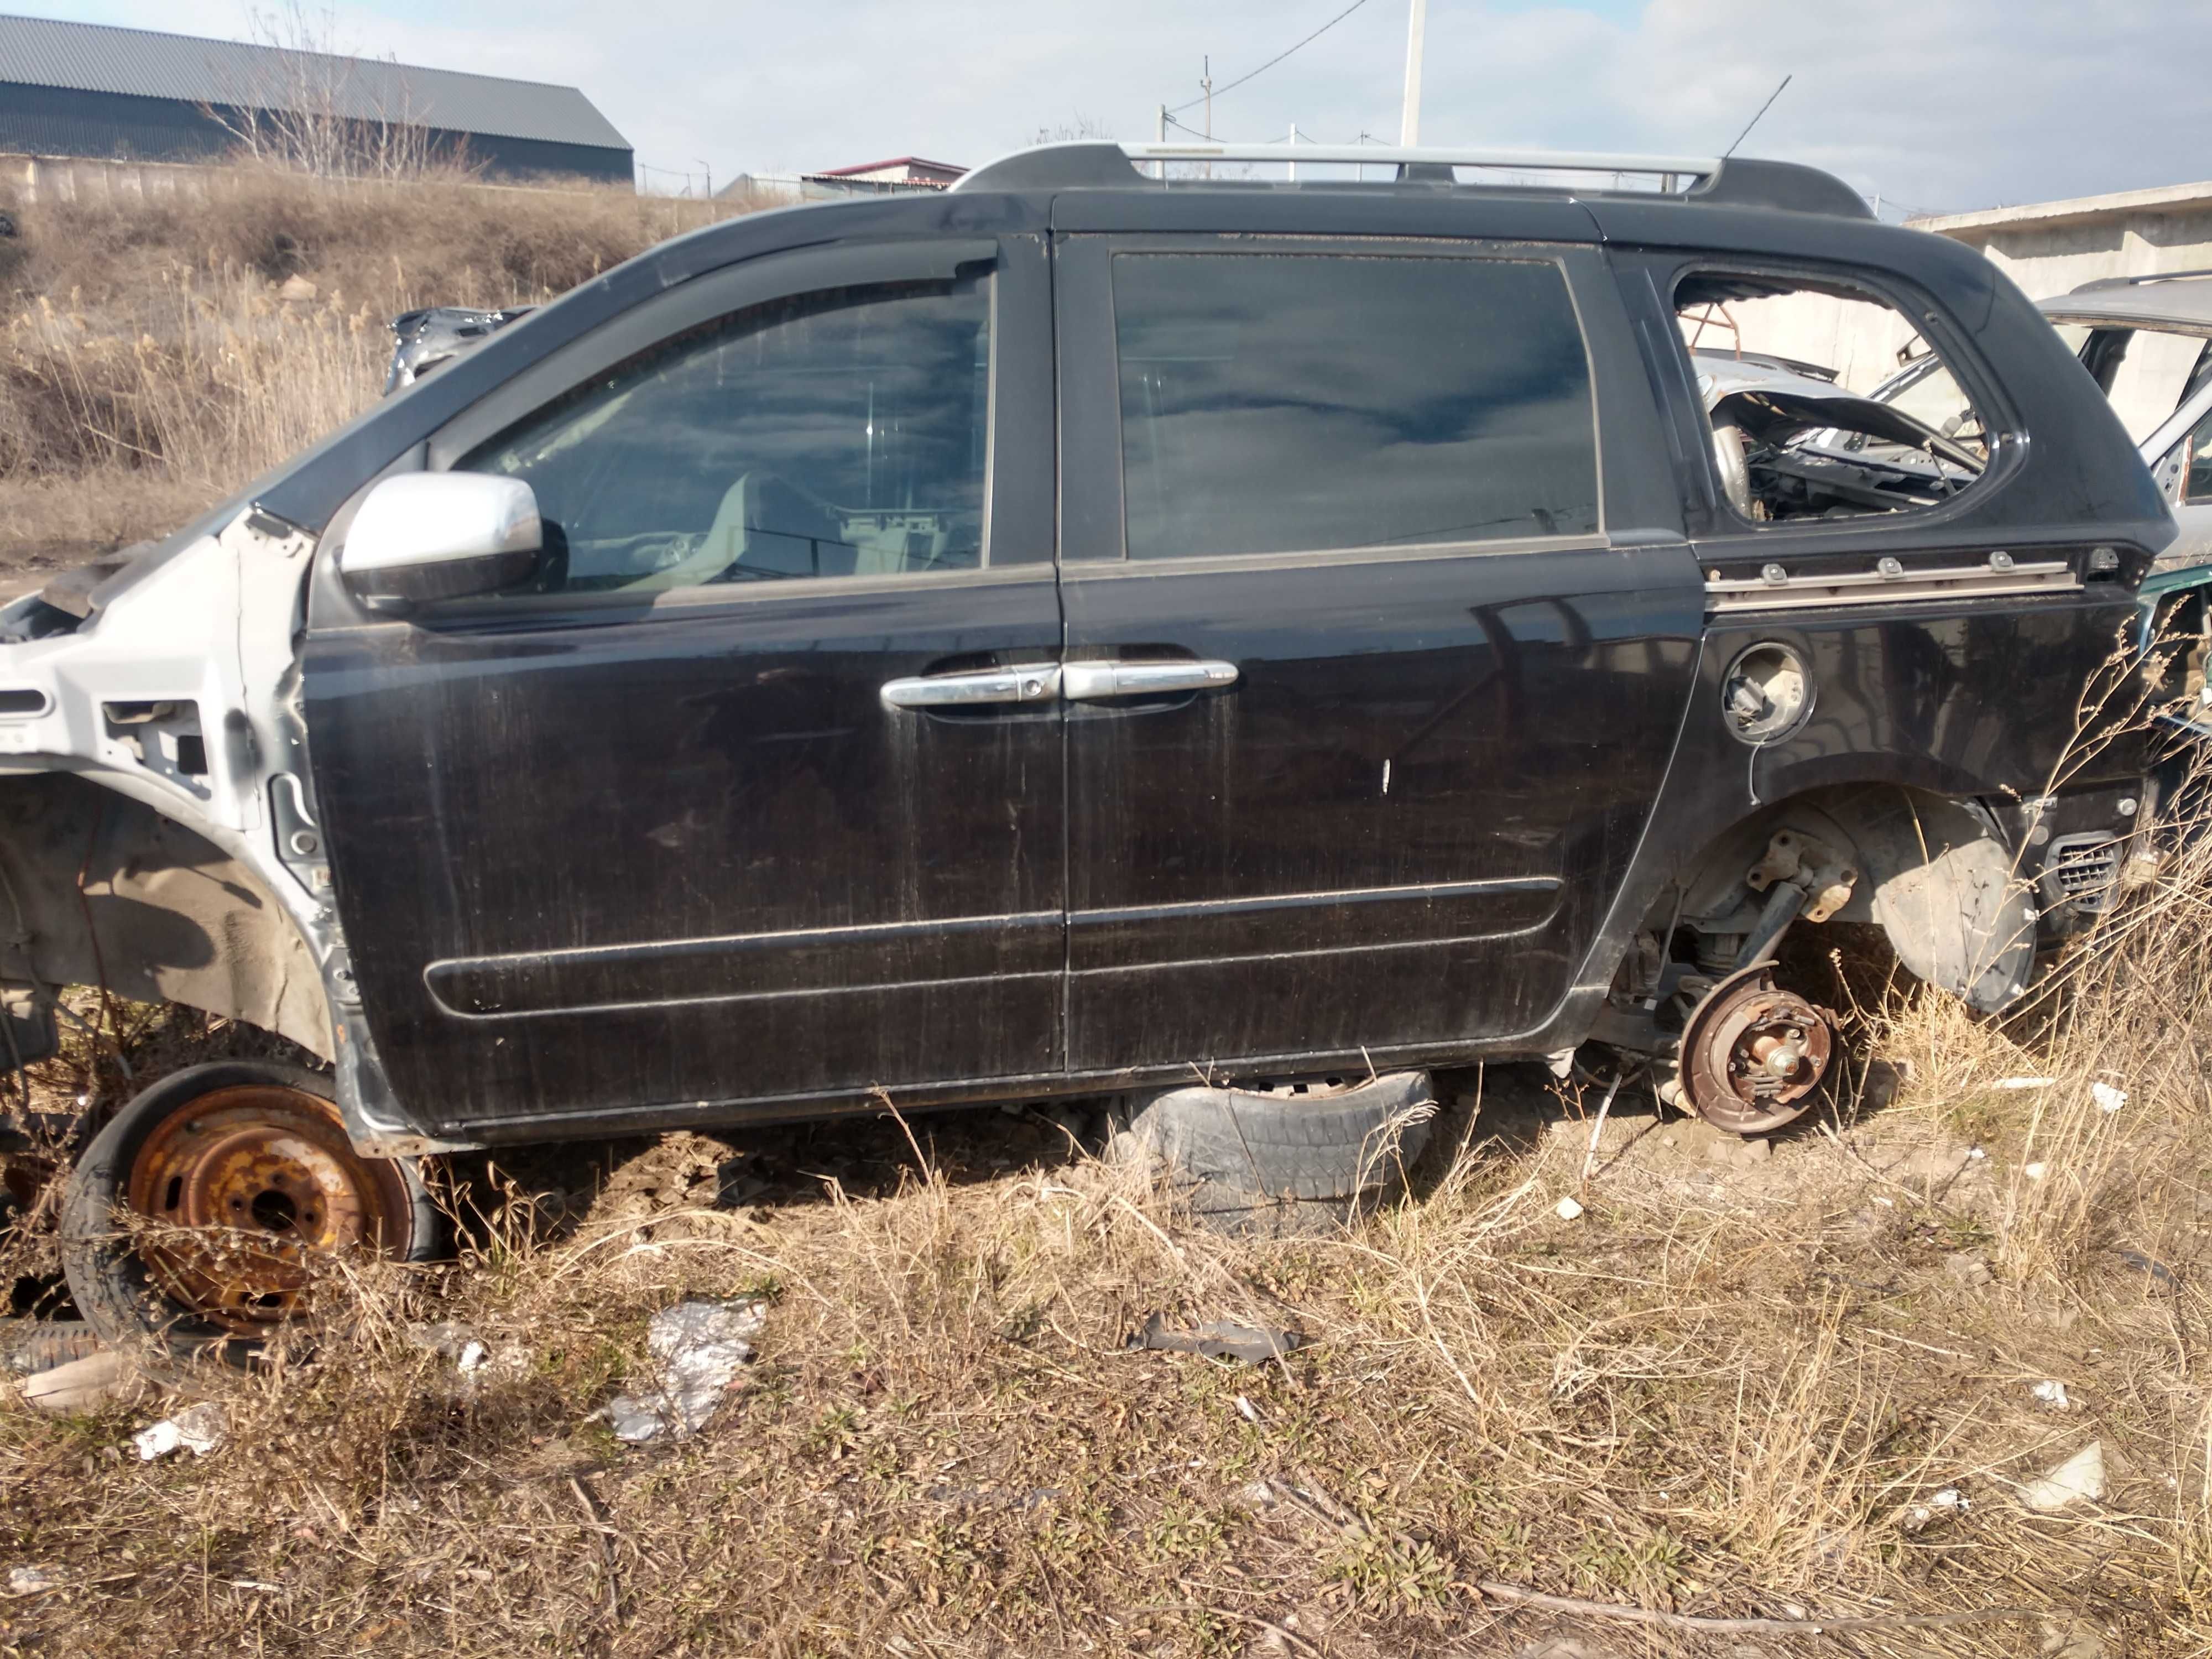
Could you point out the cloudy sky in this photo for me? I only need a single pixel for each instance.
(1935, 103)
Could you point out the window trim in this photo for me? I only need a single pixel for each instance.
(2005, 437)
(719, 294)
(1094, 520)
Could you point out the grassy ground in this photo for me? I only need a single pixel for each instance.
(151, 362)
(1727, 1387)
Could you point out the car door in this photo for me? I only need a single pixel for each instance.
(2180, 457)
(750, 797)
(1368, 697)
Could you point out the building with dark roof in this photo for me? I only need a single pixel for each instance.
(91, 90)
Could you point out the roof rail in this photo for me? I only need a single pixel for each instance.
(1745, 182)
(2142, 281)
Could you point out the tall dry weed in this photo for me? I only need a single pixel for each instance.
(149, 364)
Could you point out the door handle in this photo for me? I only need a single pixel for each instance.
(1029, 682)
(1085, 682)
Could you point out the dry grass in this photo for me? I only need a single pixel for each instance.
(1731, 1387)
(1722, 1390)
(148, 366)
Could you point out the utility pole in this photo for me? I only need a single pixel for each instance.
(1161, 131)
(1409, 128)
(1206, 81)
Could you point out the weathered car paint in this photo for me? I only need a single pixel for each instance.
(685, 854)
(680, 865)
(1401, 825)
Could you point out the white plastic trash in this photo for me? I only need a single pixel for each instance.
(701, 1346)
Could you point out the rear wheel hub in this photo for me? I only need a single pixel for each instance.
(1753, 1055)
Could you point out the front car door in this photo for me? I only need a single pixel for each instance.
(1370, 693)
(653, 837)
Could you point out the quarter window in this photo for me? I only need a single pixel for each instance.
(838, 434)
(1823, 400)
(1276, 403)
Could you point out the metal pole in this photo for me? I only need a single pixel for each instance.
(1409, 127)
(1294, 144)
(1161, 127)
(1205, 80)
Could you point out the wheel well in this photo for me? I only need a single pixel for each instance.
(1934, 872)
(98, 888)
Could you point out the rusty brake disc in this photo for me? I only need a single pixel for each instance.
(1753, 1055)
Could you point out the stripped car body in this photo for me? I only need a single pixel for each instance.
(735, 816)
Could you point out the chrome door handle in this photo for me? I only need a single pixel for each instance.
(1084, 681)
(1029, 682)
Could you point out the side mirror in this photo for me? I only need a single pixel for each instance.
(425, 536)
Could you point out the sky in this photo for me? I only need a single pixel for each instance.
(1933, 105)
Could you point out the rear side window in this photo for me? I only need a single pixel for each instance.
(1283, 402)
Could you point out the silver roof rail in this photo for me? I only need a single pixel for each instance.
(1736, 181)
(1517, 161)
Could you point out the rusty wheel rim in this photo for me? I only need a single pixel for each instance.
(247, 1188)
(1755, 1056)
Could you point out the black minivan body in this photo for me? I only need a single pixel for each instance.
(1046, 637)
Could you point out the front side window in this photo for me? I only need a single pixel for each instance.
(1808, 411)
(1281, 403)
(836, 433)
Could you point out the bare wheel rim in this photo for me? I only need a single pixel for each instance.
(244, 1188)
(1755, 1056)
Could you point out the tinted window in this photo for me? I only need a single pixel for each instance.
(838, 434)
(1272, 403)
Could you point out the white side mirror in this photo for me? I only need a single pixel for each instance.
(426, 536)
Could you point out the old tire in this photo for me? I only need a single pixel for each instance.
(1298, 1157)
(245, 1168)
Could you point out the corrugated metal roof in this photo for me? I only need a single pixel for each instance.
(42, 52)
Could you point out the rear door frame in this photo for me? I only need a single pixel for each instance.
(1642, 526)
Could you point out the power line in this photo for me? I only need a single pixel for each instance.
(1271, 61)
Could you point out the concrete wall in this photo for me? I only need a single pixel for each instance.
(2054, 246)
(32, 180)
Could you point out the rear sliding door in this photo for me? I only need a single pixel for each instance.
(1367, 709)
